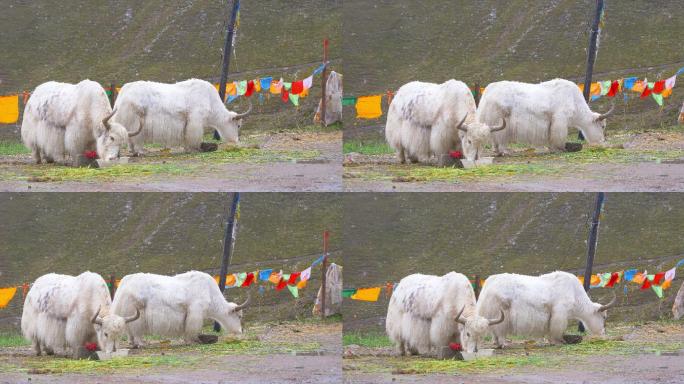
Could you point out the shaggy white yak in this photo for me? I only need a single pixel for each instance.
(539, 114)
(537, 306)
(424, 119)
(428, 311)
(174, 306)
(68, 119)
(62, 313)
(175, 114)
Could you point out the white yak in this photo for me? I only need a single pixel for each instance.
(537, 306)
(61, 313)
(428, 311)
(175, 114)
(539, 114)
(174, 306)
(68, 119)
(424, 119)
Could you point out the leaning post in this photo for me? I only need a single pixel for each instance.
(228, 244)
(591, 54)
(227, 49)
(591, 246)
(324, 267)
(324, 82)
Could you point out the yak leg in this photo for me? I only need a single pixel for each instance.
(499, 340)
(401, 156)
(193, 132)
(558, 132)
(401, 348)
(136, 341)
(36, 347)
(48, 351)
(558, 323)
(193, 326)
(36, 155)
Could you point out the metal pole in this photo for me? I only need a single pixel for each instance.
(324, 82)
(227, 49)
(591, 57)
(228, 244)
(591, 249)
(326, 236)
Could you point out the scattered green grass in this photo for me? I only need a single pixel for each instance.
(367, 147)
(64, 365)
(49, 172)
(12, 340)
(370, 340)
(12, 148)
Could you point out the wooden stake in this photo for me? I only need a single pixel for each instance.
(326, 236)
(228, 245)
(591, 249)
(324, 82)
(591, 54)
(227, 49)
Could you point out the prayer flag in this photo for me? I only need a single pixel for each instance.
(6, 294)
(297, 87)
(614, 87)
(266, 82)
(347, 293)
(629, 82)
(605, 87)
(639, 278)
(629, 274)
(308, 82)
(595, 89)
(320, 260)
(287, 86)
(240, 278)
(285, 96)
(241, 87)
(301, 284)
(248, 280)
(367, 294)
(276, 87)
(274, 278)
(265, 274)
(306, 274)
(670, 83)
(595, 280)
(231, 89)
(281, 284)
(658, 98)
(666, 284)
(294, 99)
(348, 100)
(319, 69)
(250, 88)
(658, 277)
(9, 109)
(670, 274)
(257, 85)
(293, 277)
(369, 107)
(293, 290)
(648, 90)
(614, 277)
(646, 285)
(658, 290)
(230, 280)
(639, 86)
(659, 86)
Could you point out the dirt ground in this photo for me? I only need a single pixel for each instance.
(278, 353)
(286, 162)
(649, 161)
(649, 353)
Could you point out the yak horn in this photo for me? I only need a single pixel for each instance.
(243, 305)
(463, 128)
(610, 304)
(605, 115)
(136, 133)
(499, 320)
(458, 317)
(105, 121)
(128, 319)
(500, 127)
(96, 319)
(244, 114)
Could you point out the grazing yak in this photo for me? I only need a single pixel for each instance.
(68, 119)
(426, 119)
(62, 313)
(175, 114)
(173, 306)
(431, 311)
(537, 306)
(539, 114)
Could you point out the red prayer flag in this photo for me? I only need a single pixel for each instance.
(297, 87)
(614, 87)
(285, 96)
(293, 277)
(250, 88)
(282, 284)
(646, 285)
(659, 87)
(658, 278)
(646, 93)
(248, 280)
(613, 279)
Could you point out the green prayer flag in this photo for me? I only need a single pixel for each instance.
(658, 290)
(240, 278)
(293, 290)
(287, 86)
(658, 98)
(241, 87)
(294, 99)
(108, 92)
(348, 100)
(347, 293)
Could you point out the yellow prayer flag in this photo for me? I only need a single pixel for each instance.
(231, 89)
(581, 279)
(369, 107)
(257, 85)
(276, 87)
(6, 294)
(274, 278)
(639, 278)
(9, 109)
(305, 93)
(666, 284)
(666, 93)
(595, 280)
(639, 86)
(117, 283)
(216, 279)
(230, 280)
(581, 88)
(595, 89)
(367, 294)
(301, 284)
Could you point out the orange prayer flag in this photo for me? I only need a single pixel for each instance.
(9, 109)
(666, 284)
(595, 89)
(6, 294)
(257, 85)
(301, 284)
(274, 278)
(367, 294)
(216, 279)
(369, 107)
(230, 280)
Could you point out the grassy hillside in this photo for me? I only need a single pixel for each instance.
(389, 236)
(389, 43)
(163, 233)
(129, 40)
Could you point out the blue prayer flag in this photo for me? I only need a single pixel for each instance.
(266, 82)
(629, 274)
(264, 274)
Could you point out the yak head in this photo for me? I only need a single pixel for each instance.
(595, 320)
(474, 329)
(594, 129)
(110, 327)
(474, 136)
(231, 318)
(111, 139)
(229, 129)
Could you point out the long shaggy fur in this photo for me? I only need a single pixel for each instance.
(423, 118)
(538, 306)
(174, 114)
(173, 306)
(62, 120)
(423, 308)
(538, 114)
(58, 310)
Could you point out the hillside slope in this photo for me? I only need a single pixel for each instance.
(389, 43)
